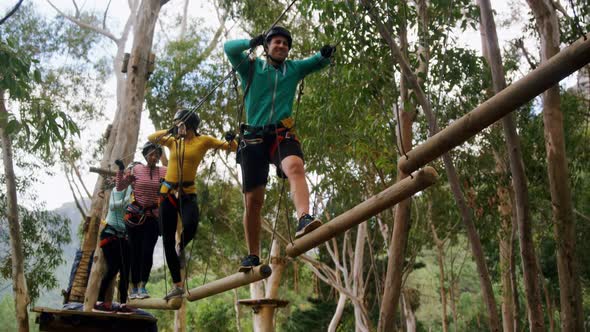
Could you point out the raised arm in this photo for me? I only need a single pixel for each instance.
(234, 49)
(161, 137)
(123, 180)
(311, 64)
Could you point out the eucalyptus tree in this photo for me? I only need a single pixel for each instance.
(18, 83)
(572, 316)
(519, 181)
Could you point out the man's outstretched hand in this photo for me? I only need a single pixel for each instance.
(327, 51)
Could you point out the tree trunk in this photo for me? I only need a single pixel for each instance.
(453, 305)
(519, 182)
(507, 296)
(440, 255)
(513, 279)
(572, 318)
(257, 292)
(237, 310)
(19, 283)
(337, 313)
(362, 321)
(127, 126)
(487, 292)
(401, 229)
(180, 318)
(409, 315)
(97, 205)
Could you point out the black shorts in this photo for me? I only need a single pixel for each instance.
(256, 152)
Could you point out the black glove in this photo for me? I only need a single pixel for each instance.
(256, 41)
(173, 131)
(230, 136)
(328, 51)
(120, 164)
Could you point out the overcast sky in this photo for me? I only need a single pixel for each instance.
(54, 190)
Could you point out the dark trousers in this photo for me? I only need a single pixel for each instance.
(189, 212)
(142, 240)
(116, 256)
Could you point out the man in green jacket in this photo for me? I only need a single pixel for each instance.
(268, 136)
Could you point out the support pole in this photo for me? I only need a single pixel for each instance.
(519, 93)
(367, 209)
(230, 282)
(102, 171)
(154, 303)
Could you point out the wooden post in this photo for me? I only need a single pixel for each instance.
(230, 282)
(155, 303)
(102, 171)
(369, 208)
(520, 92)
(265, 308)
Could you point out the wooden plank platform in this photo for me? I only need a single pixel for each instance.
(50, 319)
(264, 302)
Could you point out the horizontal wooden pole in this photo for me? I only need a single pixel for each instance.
(517, 94)
(156, 303)
(102, 171)
(367, 209)
(230, 282)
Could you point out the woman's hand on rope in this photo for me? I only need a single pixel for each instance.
(120, 164)
(256, 41)
(327, 51)
(229, 136)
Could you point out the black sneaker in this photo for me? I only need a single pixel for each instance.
(306, 224)
(103, 307)
(124, 309)
(248, 263)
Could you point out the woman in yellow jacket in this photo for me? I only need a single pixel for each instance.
(178, 193)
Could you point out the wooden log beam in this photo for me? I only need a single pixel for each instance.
(230, 282)
(156, 303)
(517, 94)
(365, 210)
(102, 171)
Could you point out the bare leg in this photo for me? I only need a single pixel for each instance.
(293, 168)
(253, 201)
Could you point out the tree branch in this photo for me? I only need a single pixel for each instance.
(104, 18)
(10, 13)
(85, 25)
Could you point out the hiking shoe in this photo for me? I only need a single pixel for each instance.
(103, 307)
(306, 225)
(124, 309)
(248, 263)
(143, 293)
(174, 293)
(134, 294)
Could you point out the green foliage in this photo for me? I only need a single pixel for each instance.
(19, 79)
(316, 316)
(44, 236)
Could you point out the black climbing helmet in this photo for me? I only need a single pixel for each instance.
(278, 31)
(191, 119)
(147, 147)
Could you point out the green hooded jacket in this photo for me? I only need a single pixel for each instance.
(272, 90)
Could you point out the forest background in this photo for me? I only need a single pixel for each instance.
(350, 119)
